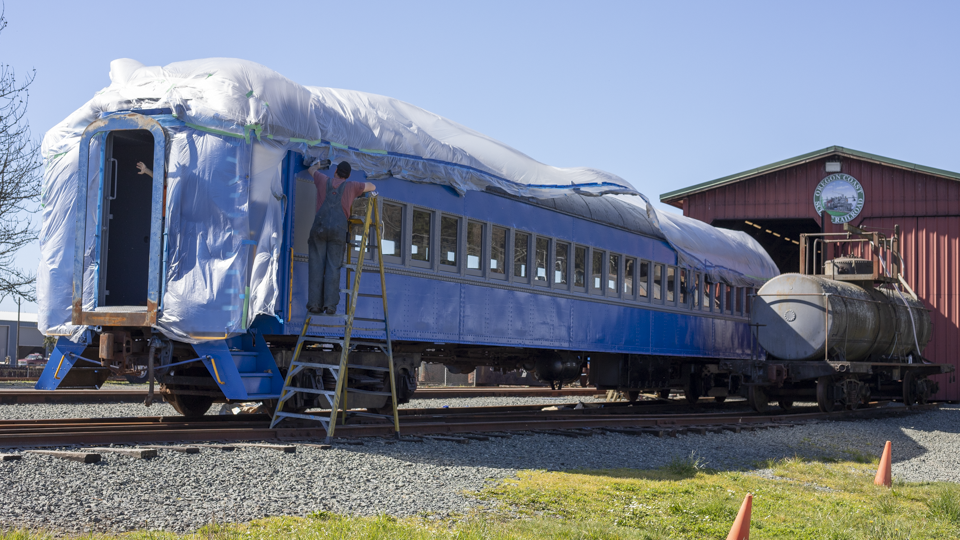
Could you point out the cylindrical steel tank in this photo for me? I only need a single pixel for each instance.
(857, 323)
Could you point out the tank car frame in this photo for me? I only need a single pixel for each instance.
(872, 334)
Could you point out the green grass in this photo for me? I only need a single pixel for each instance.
(805, 500)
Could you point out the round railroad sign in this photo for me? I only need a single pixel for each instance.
(839, 195)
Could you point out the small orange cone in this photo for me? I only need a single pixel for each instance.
(741, 525)
(883, 472)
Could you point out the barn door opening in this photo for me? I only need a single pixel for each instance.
(127, 204)
(780, 237)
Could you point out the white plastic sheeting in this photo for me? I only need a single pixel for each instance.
(235, 122)
(726, 256)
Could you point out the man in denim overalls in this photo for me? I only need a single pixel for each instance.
(328, 235)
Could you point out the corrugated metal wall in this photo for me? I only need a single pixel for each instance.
(927, 208)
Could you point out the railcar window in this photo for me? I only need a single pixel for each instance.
(420, 246)
(596, 271)
(671, 283)
(628, 271)
(392, 229)
(748, 300)
(498, 250)
(474, 245)
(739, 310)
(718, 297)
(521, 246)
(560, 264)
(696, 290)
(707, 294)
(613, 273)
(683, 287)
(543, 249)
(580, 266)
(643, 278)
(449, 240)
(729, 302)
(657, 281)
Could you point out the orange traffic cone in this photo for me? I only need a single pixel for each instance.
(741, 525)
(883, 472)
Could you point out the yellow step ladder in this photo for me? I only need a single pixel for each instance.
(332, 324)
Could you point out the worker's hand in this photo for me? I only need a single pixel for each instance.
(142, 168)
(312, 162)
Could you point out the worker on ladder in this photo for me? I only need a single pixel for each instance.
(328, 235)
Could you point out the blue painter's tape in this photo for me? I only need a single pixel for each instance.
(231, 159)
(235, 195)
(234, 181)
(231, 308)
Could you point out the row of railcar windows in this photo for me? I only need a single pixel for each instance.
(515, 256)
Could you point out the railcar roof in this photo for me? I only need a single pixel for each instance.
(606, 210)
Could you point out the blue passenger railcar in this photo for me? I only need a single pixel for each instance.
(195, 276)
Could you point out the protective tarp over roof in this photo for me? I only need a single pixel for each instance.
(380, 135)
(232, 123)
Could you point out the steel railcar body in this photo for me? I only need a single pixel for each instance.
(550, 286)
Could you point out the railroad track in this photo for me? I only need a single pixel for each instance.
(463, 423)
(109, 395)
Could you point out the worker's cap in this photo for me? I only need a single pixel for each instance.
(343, 170)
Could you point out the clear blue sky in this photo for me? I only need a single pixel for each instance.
(664, 94)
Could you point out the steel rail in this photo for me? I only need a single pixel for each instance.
(109, 395)
(166, 429)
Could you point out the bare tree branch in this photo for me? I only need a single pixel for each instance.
(20, 164)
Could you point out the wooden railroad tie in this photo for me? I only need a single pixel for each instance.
(82, 457)
(285, 448)
(136, 453)
(181, 449)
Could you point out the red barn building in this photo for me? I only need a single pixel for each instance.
(778, 202)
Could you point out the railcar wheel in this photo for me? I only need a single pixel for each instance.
(719, 399)
(913, 394)
(189, 406)
(826, 394)
(757, 397)
(633, 396)
(785, 404)
(663, 394)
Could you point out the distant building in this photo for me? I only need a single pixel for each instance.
(31, 340)
(776, 203)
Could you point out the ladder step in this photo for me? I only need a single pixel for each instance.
(314, 417)
(369, 368)
(314, 365)
(332, 341)
(364, 319)
(368, 392)
(309, 391)
(370, 295)
(369, 414)
(368, 343)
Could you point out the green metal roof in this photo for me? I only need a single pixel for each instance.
(674, 196)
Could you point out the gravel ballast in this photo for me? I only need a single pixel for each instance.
(181, 492)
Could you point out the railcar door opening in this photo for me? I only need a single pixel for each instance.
(121, 259)
(126, 216)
